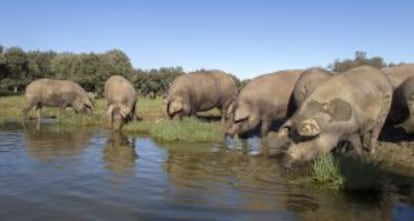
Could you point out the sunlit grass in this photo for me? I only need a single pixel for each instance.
(155, 121)
(188, 130)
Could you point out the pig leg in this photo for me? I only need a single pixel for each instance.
(38, 111)
(264, 129)
(366, 138)
(356, 143)
(223, 115)
(408, 125)
(375, 134)
(26, 109)
(62, 110)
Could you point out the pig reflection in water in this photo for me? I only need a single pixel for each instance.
(119, 154)
(52, 143)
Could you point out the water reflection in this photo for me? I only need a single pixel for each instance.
(52, 142)
(223, 177)
(174, 182)
(119, 153)
(319, 205)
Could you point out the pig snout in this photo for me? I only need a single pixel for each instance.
(232, 131)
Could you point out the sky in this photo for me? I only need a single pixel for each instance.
(243, 37)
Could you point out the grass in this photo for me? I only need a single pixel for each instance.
(188, 130)
(344, 172)
(155, 122)
(325, 173)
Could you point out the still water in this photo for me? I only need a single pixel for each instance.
(59, 173)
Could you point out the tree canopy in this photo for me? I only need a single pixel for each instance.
(18, 68)
(359, 60)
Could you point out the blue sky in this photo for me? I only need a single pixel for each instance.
(246, 38)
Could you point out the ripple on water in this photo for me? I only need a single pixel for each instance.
(87, 174)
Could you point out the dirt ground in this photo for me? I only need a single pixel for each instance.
(396, 157)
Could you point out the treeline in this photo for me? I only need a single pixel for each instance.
(359, 60)
(18, 68)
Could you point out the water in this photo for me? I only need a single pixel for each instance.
(59, 173)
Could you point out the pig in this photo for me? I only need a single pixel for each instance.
(398, 74)
(401, 77)
(308, 82)
(351, 106)
(265, 99)
(402, 108)
(121, 99)
(56, 93)
(200, 91)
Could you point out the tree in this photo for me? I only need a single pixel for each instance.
(16, 68)
(359, 60)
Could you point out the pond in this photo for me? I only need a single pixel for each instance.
(61, 173)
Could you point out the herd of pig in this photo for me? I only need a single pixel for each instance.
(316, 110)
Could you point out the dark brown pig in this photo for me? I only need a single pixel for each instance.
(56, 93)
(200, 91)
(121, 99)
(347, 107)
(264, 99)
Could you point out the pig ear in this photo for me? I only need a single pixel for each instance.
(174, 107)
(309, 128)
(124, 111)
(241, 114)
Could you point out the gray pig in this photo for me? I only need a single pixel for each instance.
(402, 109)
(264, 99)
(347, 107)
(121, 99)
(398, 74)
(56, 93)
(308, 81)
(200, 91)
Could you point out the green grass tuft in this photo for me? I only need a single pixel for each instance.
(188, 130)
(327, 172)
(343, 172)
(324, 173)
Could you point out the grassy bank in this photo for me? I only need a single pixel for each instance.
(154, 123)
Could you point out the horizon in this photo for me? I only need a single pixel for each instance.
(243, 38)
